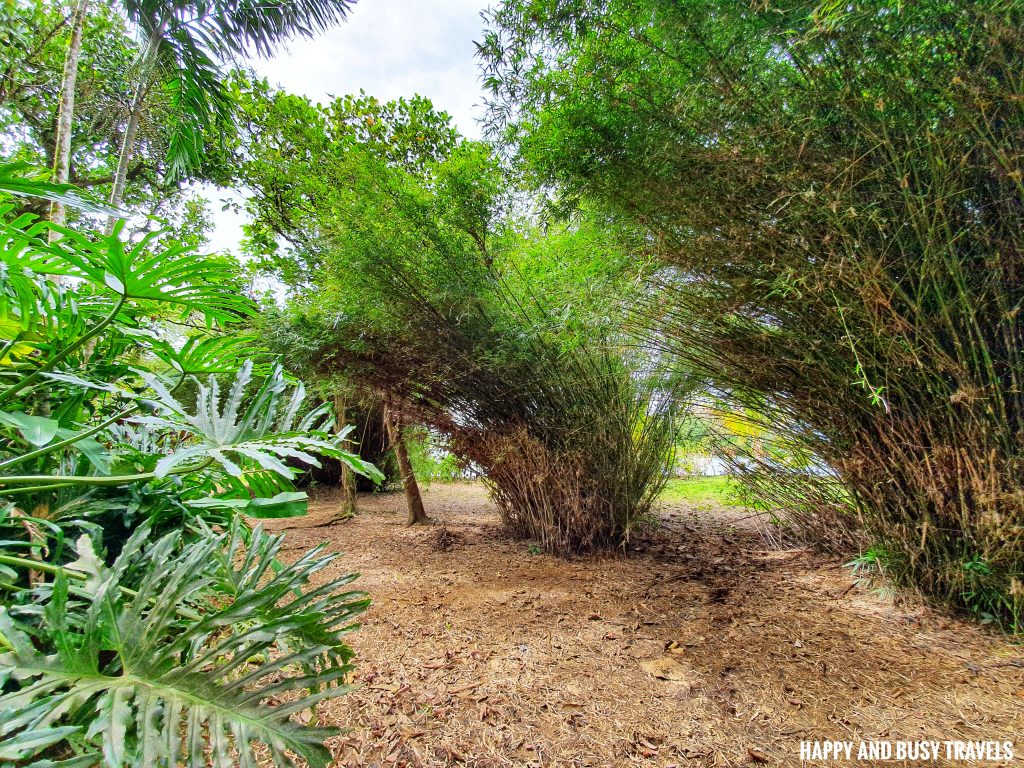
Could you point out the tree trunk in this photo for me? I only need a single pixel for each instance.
(66, 113)
(348, 477)
(393, 422)
(131, 130)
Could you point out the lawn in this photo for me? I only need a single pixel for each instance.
(720, 489)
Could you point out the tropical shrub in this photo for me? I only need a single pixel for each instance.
(835, 190)
(143, 620)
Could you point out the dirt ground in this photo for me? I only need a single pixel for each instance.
(701, 648)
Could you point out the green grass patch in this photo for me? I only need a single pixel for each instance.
(719, 489)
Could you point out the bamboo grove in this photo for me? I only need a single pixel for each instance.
(836, 194)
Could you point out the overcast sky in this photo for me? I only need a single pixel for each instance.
(389, 48)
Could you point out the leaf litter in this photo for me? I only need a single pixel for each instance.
(702, 647)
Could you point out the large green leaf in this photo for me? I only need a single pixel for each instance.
(159, 688)
(205, 355)
(35, 312)
(286, 504)
(263, 429)
(27, 181)
(139, 272)
(40, 431)
(37, 430)
(247, 561)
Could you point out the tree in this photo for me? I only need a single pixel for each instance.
(182, 42)
(34, 48)
(62, 154)
(401, 245)
(413, 498)
(835, 192)
(286, 235)
(299, 343)
(183, 39)
(348, 481)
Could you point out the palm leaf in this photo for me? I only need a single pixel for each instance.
(198, 98)
(232, 27)
(258, 25)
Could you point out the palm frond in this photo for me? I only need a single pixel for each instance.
(198, 98)
(233, 27)
(256, 25)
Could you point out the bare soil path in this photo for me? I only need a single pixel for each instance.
(701, 648)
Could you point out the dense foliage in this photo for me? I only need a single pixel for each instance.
(34, 38)
(421, 284)
(835, 190)
(790, 232)
(142, 619)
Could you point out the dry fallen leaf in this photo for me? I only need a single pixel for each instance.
(666, 668)
(757, 755)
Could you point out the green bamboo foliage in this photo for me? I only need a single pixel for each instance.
(416, 276)
(835, 190)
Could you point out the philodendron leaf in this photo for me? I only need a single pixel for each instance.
(27, 744)
(41, 431)
(28, 181)
(169, 686)
(205, 355)
(138, 272)
(88, 760)
(237, 432)
(89, 563)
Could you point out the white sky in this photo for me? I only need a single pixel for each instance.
(389, 48)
